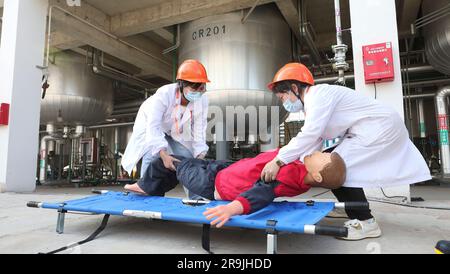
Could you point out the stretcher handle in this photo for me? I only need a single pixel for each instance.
(335, 231)
(34, 204)
(357, 205)
(194, 202)
(96, 191)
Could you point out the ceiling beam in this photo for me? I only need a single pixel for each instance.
(174, 12)
(164, 34)
(62, 41)
(146, 56)
(290, 13)
(152, 62)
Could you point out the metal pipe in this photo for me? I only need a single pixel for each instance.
(125, 110)
(420, 96)
(143, 83)
(337, 9)
(111, 125)
(305, 34)
(125, 115)
(340, 49)
(43, 160)
(116, 154)
(444, 81)
(132, 104)
(177, 44)
(79, 131)
(411, 70)
(420, 109)
(432, 17)
(332, 79)
(442, 125)
(99, 67)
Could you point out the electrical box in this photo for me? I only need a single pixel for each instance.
(378, 63)
(4, 114)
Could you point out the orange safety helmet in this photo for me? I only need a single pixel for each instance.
(293, 71)
(192, 71)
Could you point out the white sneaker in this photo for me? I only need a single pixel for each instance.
(358, 230)
(338, 213)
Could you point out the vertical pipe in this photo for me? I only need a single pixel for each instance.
(116, 154)
(72, 155)
(61, 161)
(337, 8)
(422, 128)
(43, 160)
(442, 125)
(339, 49)
(84, 159)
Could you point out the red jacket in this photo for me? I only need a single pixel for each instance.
(241, 182)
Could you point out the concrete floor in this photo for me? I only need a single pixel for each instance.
(31, 230)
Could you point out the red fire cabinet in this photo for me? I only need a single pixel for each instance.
(4, 114)
(378, 63)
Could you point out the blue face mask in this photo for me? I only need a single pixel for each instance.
(296, 106)
(193, 96)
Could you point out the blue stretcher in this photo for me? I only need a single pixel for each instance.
(291, 217)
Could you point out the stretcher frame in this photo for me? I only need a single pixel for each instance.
(271, 225)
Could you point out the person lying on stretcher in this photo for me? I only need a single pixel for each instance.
(240, 182)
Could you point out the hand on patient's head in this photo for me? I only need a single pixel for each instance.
(327, 169)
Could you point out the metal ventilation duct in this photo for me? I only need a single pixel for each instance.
(437, 35)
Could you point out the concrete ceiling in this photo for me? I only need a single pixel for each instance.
(321, 15)
(114, 7)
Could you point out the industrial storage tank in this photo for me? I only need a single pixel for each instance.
(241, 58)
(437, 35)
(76, 95)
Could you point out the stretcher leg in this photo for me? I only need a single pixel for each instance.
(60, 222)
(206, 242)
(272, 243)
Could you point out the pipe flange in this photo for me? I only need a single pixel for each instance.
(339, 48)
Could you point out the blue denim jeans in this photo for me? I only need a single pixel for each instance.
(175, 148)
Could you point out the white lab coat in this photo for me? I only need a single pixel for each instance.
(375, 147)
(163, 114)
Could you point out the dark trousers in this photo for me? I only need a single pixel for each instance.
(157, 180)
(347, 194)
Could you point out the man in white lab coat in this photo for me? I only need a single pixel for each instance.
(171, 122)
(375, 144)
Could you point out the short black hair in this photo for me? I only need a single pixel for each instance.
(285, 86)
(184, 83)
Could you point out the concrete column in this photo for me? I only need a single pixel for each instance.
(375, 21)
(22, 49)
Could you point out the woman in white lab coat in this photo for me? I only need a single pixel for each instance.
(375, 144)
(171, 122)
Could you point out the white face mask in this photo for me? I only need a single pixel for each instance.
(296, 106)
